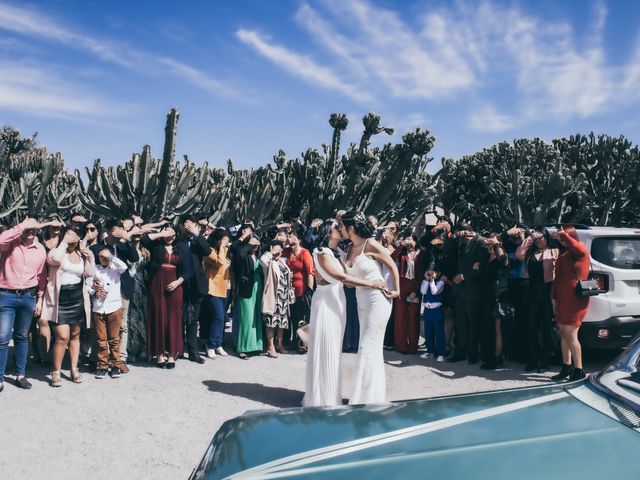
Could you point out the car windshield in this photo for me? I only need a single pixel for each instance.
(617, 252)
(621, 382)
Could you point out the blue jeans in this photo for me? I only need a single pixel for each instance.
(16, 313)
(434, 322)
(218, 307)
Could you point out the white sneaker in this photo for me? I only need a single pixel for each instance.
(220, 351)
(211, 353)
(440, 358)
(426, 355)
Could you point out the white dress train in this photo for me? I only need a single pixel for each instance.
(323, 383)
(374, 310)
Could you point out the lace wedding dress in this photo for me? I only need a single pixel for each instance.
(323, 385)
(374, 310)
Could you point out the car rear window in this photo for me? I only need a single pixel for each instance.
(618, 252)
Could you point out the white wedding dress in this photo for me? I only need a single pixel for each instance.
(374, 310)
(323, 384)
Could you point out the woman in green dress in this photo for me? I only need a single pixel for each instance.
(249, 283)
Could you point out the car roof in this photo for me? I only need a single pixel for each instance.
(599, 231)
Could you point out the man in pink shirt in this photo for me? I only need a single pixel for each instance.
(22, 283)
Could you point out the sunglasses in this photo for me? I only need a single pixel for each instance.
(91, 229)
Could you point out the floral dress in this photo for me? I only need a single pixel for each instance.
(280, 317)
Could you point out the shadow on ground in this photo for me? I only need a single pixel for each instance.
(275, 396)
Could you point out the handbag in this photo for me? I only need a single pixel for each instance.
(587, 288)
(504, 311)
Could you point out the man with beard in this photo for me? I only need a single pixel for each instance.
(472, 259)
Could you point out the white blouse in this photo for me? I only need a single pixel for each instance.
(71, 272)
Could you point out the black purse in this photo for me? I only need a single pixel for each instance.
(587, 288)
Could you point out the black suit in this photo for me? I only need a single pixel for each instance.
(472, 262)
(195, 287)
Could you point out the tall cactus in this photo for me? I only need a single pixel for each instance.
(168, 156)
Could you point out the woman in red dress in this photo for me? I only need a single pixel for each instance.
(570, 308)
(164, 312)
(407, 306)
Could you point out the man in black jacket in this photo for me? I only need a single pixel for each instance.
(118, 239)
(192, 247)
(472, 260)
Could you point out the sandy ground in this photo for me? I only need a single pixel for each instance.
(153, 423)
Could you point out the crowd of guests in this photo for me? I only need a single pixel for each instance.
(123, 291)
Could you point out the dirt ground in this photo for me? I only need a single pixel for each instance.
(154, 423)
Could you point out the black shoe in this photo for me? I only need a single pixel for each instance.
(488, 366)
(196, 358)
(170, 365)
(161, 364)
(564, 374)
(101, 373)
(472, 360)
(23, 383)
(493, 364)
(115, 372)
(543, 367)
(530, 367)
(456, 358)
(578, 374)
(1, 386)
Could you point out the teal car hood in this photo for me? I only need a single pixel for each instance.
(528, 433)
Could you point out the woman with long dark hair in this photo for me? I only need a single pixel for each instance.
(164, 311)
(570, 308)
(323, 386)
(66, 301)
(363, 261)
(540, 260)
(247, 296)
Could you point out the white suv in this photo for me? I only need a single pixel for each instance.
(613, 318)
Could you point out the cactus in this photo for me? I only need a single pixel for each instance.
(580, 178)
(153, 188)
(35, 183)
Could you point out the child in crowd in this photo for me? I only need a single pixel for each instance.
(431, 290)
(107, 312)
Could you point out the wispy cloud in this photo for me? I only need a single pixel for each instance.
(44, 92)
(488, 119)
(31, 23)
(464, 50)
(300, 65)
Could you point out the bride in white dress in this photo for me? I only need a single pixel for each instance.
(364, 260)
(323, 386)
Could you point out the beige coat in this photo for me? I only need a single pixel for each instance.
(50, 304)
(549, 257)
(271, 275)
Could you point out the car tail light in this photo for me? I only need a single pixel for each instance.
(602, 279)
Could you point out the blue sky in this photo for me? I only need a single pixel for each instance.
(95, 79)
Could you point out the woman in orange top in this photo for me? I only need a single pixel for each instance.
(216, 267)
(570, 308)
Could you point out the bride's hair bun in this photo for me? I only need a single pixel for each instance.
(361, 224)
